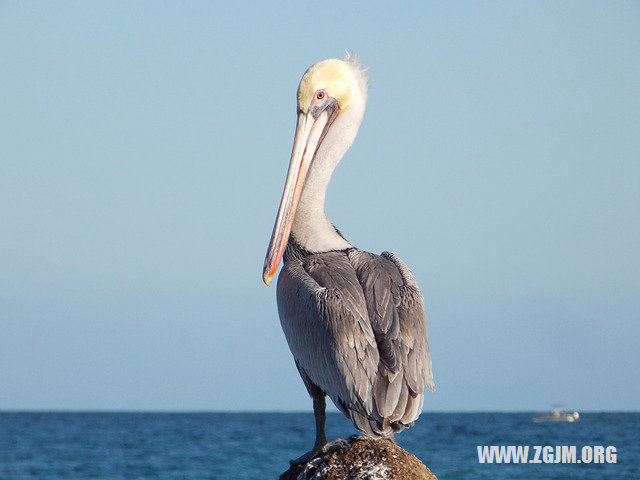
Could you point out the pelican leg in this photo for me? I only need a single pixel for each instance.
(319, 412)
(320, 447)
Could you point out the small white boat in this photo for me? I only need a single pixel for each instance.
(558, 415)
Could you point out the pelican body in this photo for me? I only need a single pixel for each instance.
(354, 321)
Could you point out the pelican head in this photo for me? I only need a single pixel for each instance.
(328, 83)
(331, 93)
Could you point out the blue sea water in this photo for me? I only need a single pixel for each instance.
(60, 445)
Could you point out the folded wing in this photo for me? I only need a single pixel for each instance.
(356, 326)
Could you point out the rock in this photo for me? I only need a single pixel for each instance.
(363, 459)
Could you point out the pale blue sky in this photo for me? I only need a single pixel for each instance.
(143, 150)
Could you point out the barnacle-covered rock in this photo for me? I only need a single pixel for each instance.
(362, 460)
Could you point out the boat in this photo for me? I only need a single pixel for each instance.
(558, 415)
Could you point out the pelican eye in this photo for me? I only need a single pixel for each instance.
(320, 95)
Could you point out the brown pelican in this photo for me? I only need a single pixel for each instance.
(354, 321)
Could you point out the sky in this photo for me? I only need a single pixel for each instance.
(143, 151)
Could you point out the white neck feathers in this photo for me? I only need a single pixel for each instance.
(311, 228)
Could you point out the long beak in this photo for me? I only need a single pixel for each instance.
(309, 133)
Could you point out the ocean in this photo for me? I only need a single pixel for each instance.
(257, 446)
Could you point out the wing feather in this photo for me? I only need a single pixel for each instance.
(327, 329)
(413, 325)
(396, 311)
(356, 325)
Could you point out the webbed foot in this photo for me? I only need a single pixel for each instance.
(329, 447)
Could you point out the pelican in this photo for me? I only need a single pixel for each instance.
(355, 321)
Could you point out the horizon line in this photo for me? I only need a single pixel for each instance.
(250, 411)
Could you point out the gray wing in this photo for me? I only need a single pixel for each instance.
(327, 329)
(396, 311)
(356, 327)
